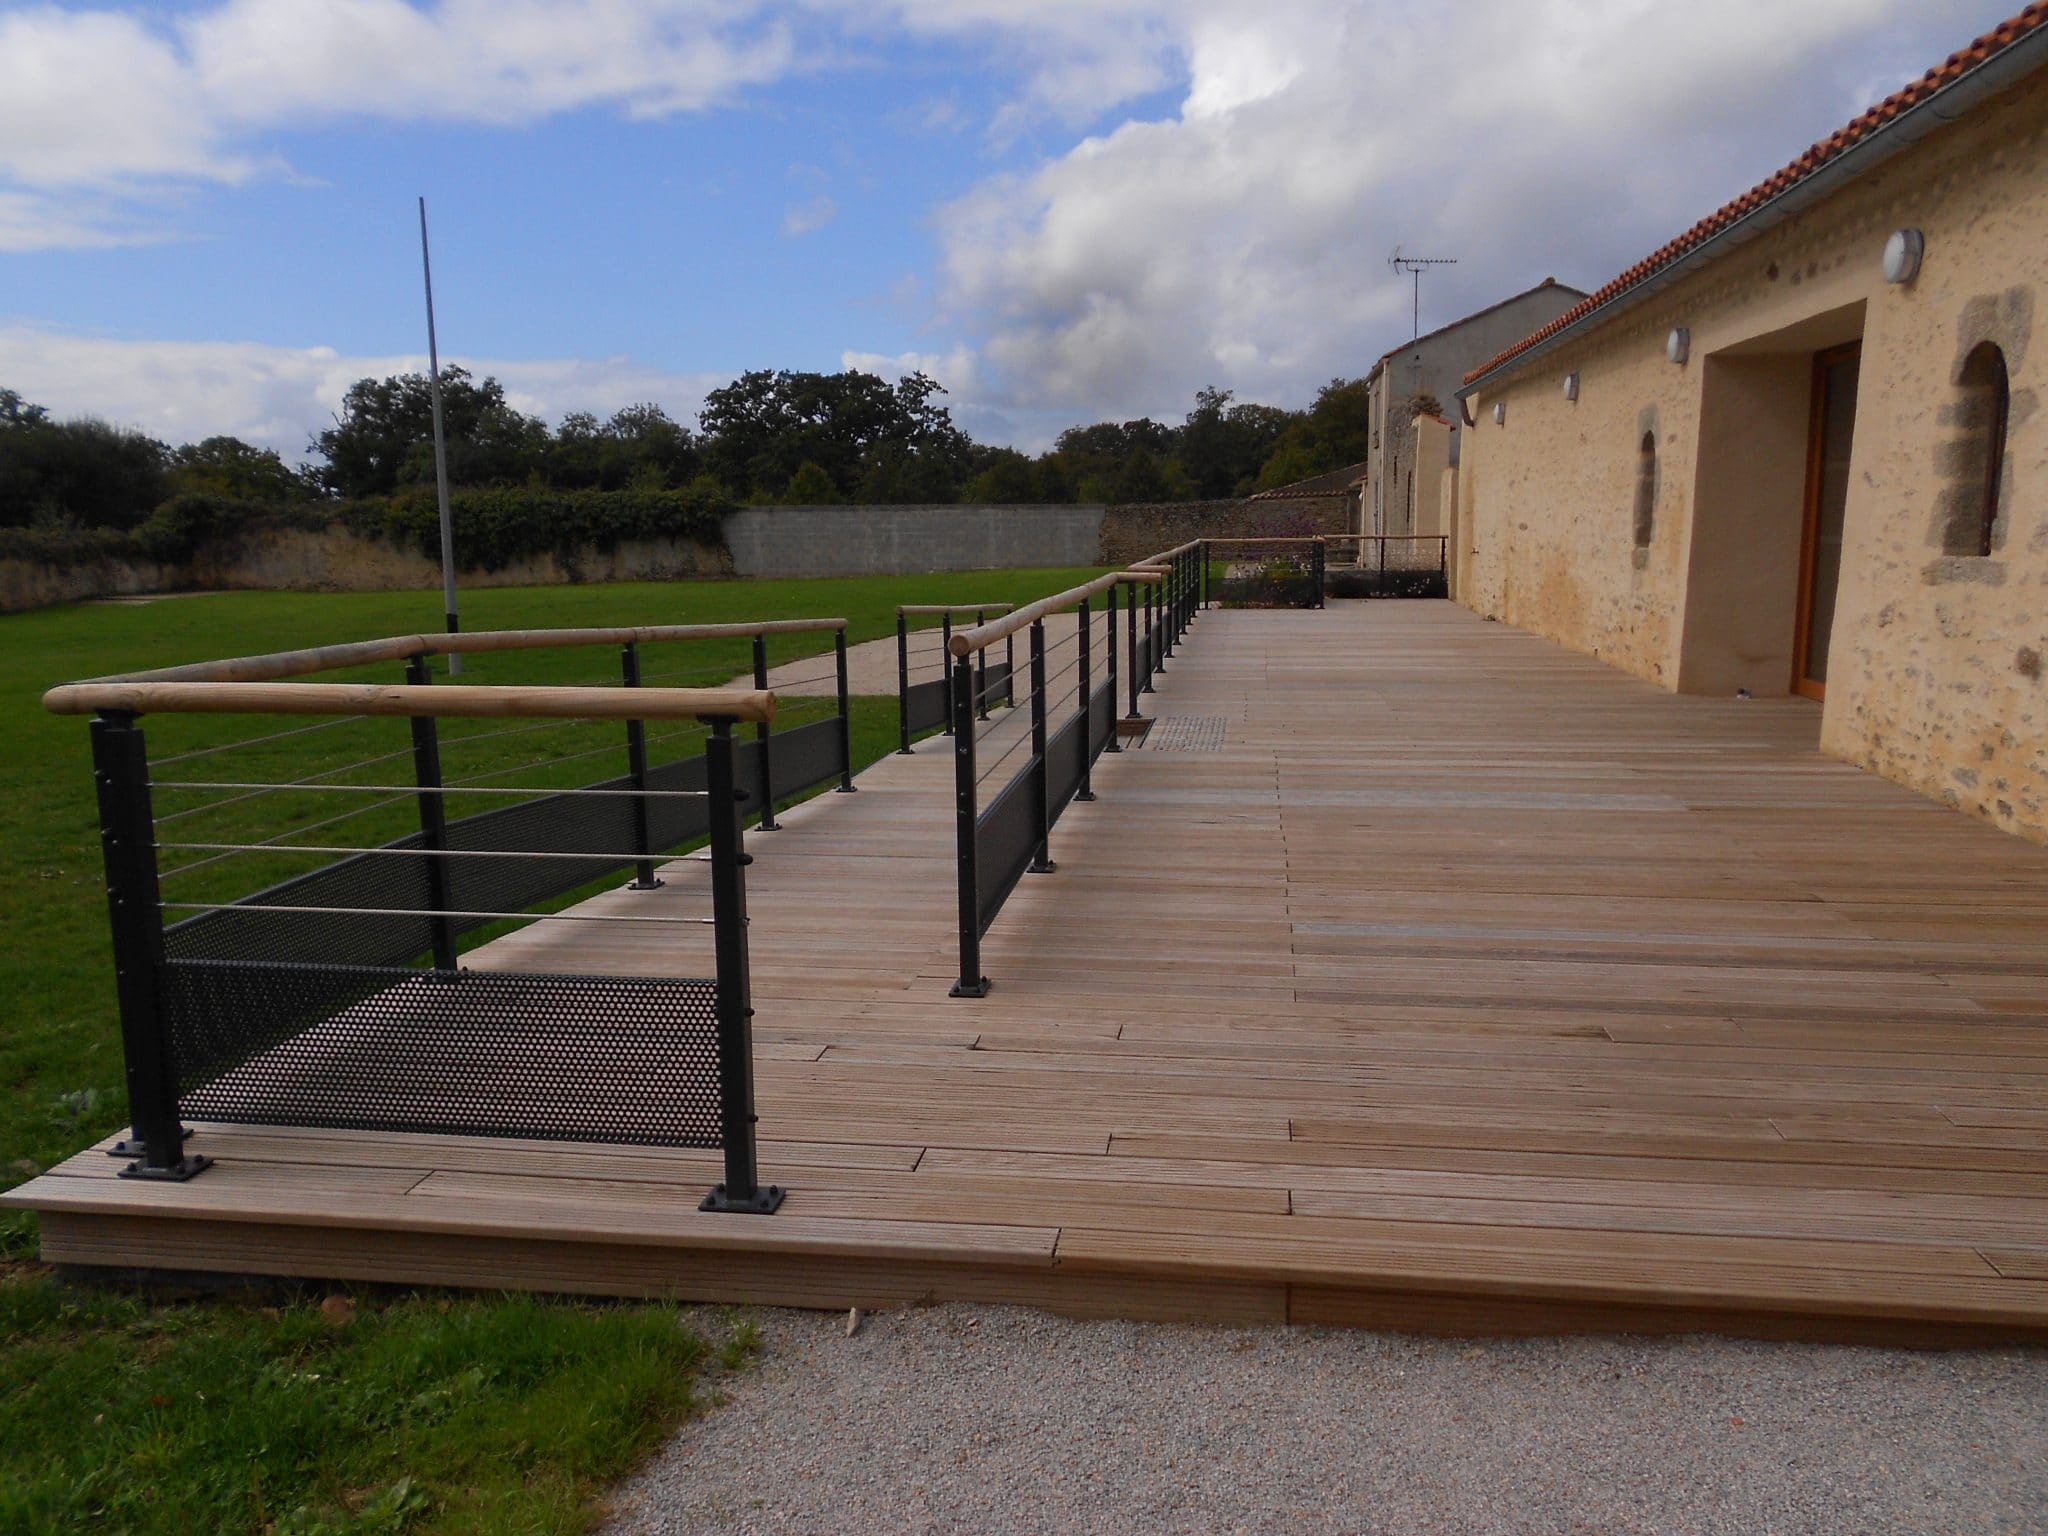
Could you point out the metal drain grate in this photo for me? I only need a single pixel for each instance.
(1186, 733)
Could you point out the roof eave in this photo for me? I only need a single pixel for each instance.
(1995, 75)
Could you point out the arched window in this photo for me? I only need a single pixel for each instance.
(1646, 490)
(1986, 403)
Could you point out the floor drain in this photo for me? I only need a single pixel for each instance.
(1186, 733)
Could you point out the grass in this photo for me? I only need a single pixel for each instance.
(423, 1414)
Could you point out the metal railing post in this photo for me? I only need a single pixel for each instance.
(1443, 562)
(120, 760)
(1151, 636)
(426, 770)
(1318, 561)
(970, 983)
(946, 656)
(1133, 669)
(1010, 663)
(846, 786)
(767, 823)
(1169, 607)
(1086, 735)
(1109, 667)
(1380, 588)
(981, 673)
(636, 766)
(903, 683)
(1204, 556)
(1041, 808)
(741, 1191)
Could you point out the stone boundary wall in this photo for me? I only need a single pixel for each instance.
(909, 540)
(1133, 532)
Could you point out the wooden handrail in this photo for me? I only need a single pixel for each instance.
(967, 641)
(326, 658)
(445, 699)
(1167, 554)
(913, 610)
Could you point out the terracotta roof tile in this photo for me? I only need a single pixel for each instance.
(1946, 73)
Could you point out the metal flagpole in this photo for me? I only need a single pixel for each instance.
(440, 452)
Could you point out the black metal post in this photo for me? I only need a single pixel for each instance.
(1151, 635)
(845, 715)
(1204, 555)
(1169, 608)
(946, 657)
(903, 684)
(426, 771)
(1380, 588)
(1109, 669)
(120, 760)
(981, 673)
(766, 766)
(1443, 563)
(636, 766)
(1010, 662)
(741, 1192)
(971, 983)
(1134, 669)
(1319, 560)
(1041, 808)
(1086, 735)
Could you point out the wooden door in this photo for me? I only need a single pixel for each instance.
(1831, 436)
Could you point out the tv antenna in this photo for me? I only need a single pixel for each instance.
(1415, 266)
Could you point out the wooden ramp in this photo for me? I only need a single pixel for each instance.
(1417, 974)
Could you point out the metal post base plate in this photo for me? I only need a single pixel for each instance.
(127, 1147)
(646, 885)
(1087, 796)
(766, 1202)
(846, 789)
(177, 1173)
(979, 989)
(1042, 867)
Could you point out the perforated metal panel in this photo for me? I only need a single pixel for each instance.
(1063, 761)
(1005, 838)
(573, 1058)
(927, 704)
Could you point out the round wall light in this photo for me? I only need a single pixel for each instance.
(1902, 254)
(1571, 386)
(1678, 345)
(1500, 413)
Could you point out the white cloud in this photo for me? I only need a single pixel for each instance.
(280, 397)
(1242, 241)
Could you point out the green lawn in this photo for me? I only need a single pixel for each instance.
(392, 1437)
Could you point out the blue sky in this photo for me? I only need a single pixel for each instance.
(1064, 210)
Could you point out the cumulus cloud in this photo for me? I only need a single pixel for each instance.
(1242, 239)
(279, 397)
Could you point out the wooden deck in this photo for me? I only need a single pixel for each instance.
(1427, 976)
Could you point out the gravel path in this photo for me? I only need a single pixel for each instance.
(977, 1419)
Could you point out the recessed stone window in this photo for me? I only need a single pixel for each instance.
(1977, 489)
(1646, 490)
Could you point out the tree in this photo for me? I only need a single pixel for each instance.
(383, 437)
(84, 472)
(763, 426)
(1223, 446)
(1008, 479)
(227, 466)
(810, 486)
(1331, 435)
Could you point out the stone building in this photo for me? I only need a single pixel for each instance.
(1800, 450)
(1430, 368)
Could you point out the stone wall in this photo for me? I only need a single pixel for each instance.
(904, 541)
(1935, 675)
(1133, 532)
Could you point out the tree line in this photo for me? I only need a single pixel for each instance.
(767, 437)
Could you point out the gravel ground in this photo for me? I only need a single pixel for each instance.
(979, 1419)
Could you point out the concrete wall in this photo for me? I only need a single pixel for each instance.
(1936, 660)
(894, 541)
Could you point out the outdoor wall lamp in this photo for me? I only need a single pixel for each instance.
(1678, 345)
(1500, 413)
(1571, 387)
(1902, 255)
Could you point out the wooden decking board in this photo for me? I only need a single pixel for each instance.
(1469, 985)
